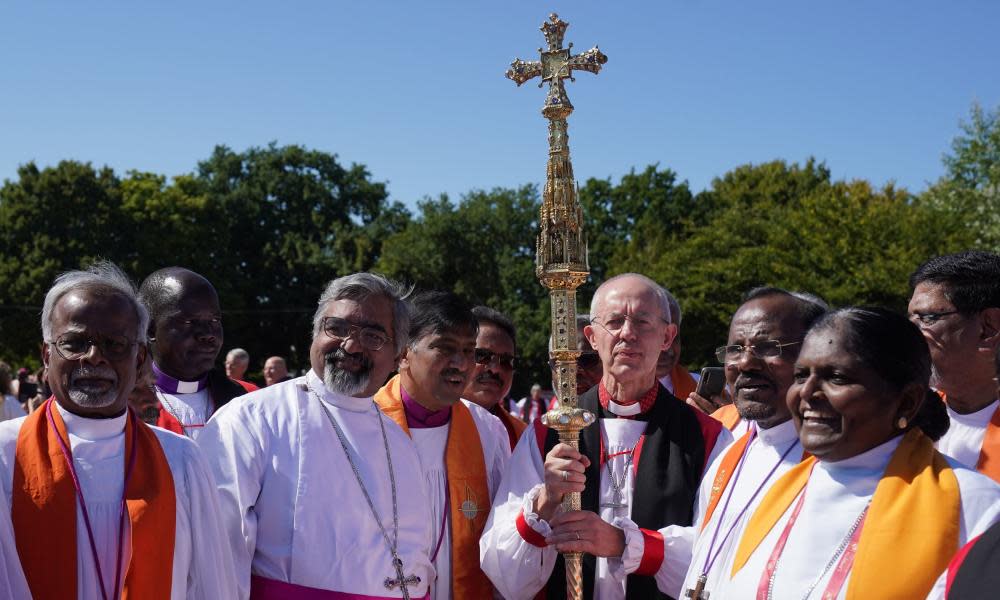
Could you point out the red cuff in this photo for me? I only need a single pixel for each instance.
(652, 553)
(536, 539)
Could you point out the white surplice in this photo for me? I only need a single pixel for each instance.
(202, 566)
(836, 495)
(10, 408)
(964, 438)
(693, 545)
(192, 410)
(431, 443)
(518, 569)
(12, 583)
(292, 507)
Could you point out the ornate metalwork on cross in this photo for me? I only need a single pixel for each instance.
(561, 260)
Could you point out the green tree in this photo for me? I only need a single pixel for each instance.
(970, 189)
(483, 249)
(51, 220)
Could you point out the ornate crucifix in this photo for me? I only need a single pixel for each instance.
(561, 262)
(401, 581)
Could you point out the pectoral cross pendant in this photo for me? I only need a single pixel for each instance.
(401, 581)
(616, 499)
(698, 593)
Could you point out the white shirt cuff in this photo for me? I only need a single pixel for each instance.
(531, 517)
(634, 547)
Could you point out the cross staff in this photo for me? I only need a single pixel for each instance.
(561, 262)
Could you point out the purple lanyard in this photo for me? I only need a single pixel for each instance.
(710, 557)
(83, 505)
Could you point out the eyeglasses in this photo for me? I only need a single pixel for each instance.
(485, 357)
(763, 349)
(641, 323)
(73, 346)
(369, 337)
(930, 318)
(587, 360)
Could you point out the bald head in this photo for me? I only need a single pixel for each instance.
(632, 285)
(185, 322)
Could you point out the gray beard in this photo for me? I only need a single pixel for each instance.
(89, 399)
(346, 383)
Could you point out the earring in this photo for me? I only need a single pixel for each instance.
(902, 423)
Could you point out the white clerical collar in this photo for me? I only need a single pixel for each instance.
(779, 435)
(979, 417)
(623, 410)
(92, 430)
(875, 459)
(313, 382)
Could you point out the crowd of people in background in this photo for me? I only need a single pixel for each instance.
(844, 453)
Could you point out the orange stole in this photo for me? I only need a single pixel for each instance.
(724, 474)
(989, 454)
(728, 416)
(467, 482)
(684, 384)
(514, 426)
(43, 511)
(912, 527)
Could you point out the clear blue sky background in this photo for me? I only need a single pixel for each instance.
(415, 90)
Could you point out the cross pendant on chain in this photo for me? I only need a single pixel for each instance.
(698, 593)
(401, 581)
(616, 500)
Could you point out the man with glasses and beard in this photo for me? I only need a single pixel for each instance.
(321, 492)
(956, 304)
(104, 506)
(463, 449)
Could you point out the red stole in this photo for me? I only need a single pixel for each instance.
(468, 490)
(43, 511)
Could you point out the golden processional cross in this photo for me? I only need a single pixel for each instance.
(562, 245)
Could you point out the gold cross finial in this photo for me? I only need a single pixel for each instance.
(556, 64)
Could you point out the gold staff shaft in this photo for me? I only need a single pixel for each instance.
(561, 260)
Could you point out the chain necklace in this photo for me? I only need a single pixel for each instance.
(176, 415)
(392, 545)
(618, 483)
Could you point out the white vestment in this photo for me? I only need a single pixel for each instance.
(292, 506)
(836, 495)
(431, 444)
(519, 569)
(202, 565)
(10, 408)
(12, 583)
(964, 439)
(192, 410)
(691, 545)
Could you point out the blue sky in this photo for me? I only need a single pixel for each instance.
(415, 90)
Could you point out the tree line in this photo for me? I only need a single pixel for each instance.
(271, 225)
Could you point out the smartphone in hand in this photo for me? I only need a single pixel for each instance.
(713, 379)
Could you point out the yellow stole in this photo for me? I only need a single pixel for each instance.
(468, 491)
(912, 527)
(728, 416)
(43, 511)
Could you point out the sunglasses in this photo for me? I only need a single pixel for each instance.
(485, 357)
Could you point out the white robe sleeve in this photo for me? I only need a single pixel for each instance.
(210, 574)
(517, 568)
(238, 462)
(13, 586)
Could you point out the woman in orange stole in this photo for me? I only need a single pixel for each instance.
(876, 511)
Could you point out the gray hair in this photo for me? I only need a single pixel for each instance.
(238, 354)
(661, 293)
(361, 286)
(102, 275)
(675, 308)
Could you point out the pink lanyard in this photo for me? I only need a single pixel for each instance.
(836, 583)
(83, 505)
